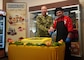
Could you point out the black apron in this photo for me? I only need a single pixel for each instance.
(61, 31)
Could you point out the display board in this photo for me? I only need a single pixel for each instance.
(15, 24)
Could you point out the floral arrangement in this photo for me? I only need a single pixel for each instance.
(11, 42)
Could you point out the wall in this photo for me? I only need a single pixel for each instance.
(82, 23)
(38, 2)
(1, 4)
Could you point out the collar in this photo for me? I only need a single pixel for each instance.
(60, 18)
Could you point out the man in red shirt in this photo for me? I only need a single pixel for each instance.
(64, 27)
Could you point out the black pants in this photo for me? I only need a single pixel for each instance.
(68, 51)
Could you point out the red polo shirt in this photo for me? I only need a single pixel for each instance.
(67, 21)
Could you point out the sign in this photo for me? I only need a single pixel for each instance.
(16, 21)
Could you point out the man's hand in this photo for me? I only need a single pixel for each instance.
(51, 33)
(67, 40)
(51, 30)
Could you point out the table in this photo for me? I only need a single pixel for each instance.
(22, 52)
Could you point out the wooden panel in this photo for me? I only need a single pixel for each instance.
(4, 3)
(2, 53)
(54, 5)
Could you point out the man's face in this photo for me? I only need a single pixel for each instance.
(43, 10)
(59, 13)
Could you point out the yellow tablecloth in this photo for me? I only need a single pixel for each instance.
(35, 52)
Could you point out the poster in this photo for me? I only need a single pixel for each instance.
(15, 21)
(75, 49)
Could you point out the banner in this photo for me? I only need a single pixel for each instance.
(16, 25)
(15, 21)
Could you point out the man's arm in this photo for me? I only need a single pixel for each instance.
(70, 29)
